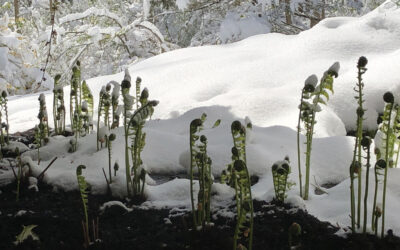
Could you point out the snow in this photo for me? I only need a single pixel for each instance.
(93, 11)
(17, 57)
(109, 204)
(237, 27)
(182, 4)
(260, 77)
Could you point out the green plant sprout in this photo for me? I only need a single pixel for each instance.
(396, 132)
(309, 108)
(116, 167)
(58, 106)
(137, 91)
(4, 130)
(377, 214)
(226, 176)
(19, 176)
(76, 128)
(357, 154)
(366, 144)
(388, 127)
(42, 130)
(87, 97)
(280, 173)
(110, 138)
(85, 118)
(380, 167)
(103, 110)
(237, 176)
(128, 101)
(293, 233)
(133, 128)
(114, 104)
(306, 94)
(200, 159)
(354, 169)
(75, 97)
(244, 202)
(135, 132)
(27, 231)
(83, 189)
(388, 130)
(37, 141)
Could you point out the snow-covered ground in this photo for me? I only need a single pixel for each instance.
(260, 77)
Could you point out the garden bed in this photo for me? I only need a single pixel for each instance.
(58, 218)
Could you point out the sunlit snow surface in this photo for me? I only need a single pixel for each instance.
(260, 77)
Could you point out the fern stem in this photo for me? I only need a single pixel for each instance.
(191, 141)
(366, 190)
(386, 170)
(359, 137)
(127, 165)
(298, 147)
(375, 226)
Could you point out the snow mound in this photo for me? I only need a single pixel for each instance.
(260, 77)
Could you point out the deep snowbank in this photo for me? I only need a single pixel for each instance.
(262, 76)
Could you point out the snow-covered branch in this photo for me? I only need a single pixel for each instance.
(92, 12)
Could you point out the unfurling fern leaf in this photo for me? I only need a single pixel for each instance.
(200, 159)
(309, 106)
(58, 106)
(135, 133)
(87, 97)
(280, 173)
(83, 189)
(237, 176)
(75, 94)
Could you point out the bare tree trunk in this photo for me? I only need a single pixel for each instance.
(16, 10)
(287, 12)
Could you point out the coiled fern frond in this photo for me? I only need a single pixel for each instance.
(83, 189)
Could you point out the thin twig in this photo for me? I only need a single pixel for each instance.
(40, 176)
(293, 26)
(105, 176)
(15, 175)
(52, 12)
(318, 187)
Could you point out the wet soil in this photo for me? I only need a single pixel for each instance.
(58, 216)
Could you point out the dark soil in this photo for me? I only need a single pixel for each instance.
(58, 218)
